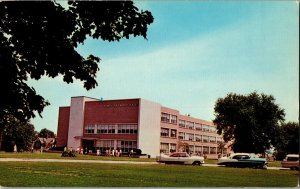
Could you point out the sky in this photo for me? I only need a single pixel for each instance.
(195, 53)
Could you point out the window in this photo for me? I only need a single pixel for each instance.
(240, 157)
(219, 139)
(189, 136)
(212, 129)
(111, 129)
(172, 147)
(198, 149)
(181, 123)
(165, 117)
(89, 129)
(190, 125)
(198, 138)
(98, 129)
(198, 127)
(183, 155)
(164, 132)
(174, 119)
(175, 155)
(205, 138)
(205, 149)
(212, 139)
(164, 147)
(181, 136)
(126, 146)
(213, 150)
(127, 130)
(205, 128)
(173, 133)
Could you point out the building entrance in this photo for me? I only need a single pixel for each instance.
(88, 145)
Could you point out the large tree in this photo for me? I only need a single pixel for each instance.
(251, 121)
(39, 38)
(288, 140)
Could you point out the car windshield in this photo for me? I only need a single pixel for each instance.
(179, 155)
(241, 157)
(292, 158)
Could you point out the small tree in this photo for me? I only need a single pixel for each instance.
(288, 140)
(184, 147)
(221, 147)
(45, 133)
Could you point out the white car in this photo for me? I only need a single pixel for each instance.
(180, 158)
(243, 160)
(291, 161)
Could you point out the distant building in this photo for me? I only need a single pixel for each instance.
(128, 124)
(43, 143)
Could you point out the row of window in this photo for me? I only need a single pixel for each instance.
(169, 118)
(196, 126)
(198, 138)
(111, 129)
(171, 147)
(125, 146)
(172, 133)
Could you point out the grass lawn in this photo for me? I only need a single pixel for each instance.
(43, 174)
(45, 155)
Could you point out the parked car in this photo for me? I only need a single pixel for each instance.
(291, 161)
(243, 160)
(180, 158)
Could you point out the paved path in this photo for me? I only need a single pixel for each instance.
(104, 161)
(73, 161)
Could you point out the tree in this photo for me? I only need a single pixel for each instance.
(251, 122)
(17, 133)
(221, 147)
(288, 140)
(45, 133)
(39, 38)
(184, 147)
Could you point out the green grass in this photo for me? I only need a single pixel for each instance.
(42, 174)
(44, 155)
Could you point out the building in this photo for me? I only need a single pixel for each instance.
(133, 124)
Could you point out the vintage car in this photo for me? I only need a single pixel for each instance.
(291, 161)
(243, 160)
(180, 158)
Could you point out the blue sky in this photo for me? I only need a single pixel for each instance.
(196, 52)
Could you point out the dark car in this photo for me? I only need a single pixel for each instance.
(243, 160)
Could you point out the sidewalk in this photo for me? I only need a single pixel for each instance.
(72, 161)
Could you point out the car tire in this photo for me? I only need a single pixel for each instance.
(196, 163)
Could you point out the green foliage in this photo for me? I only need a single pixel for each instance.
(251, 122)
(19, 133)
(54, 174)
(184, 146)
(39, 38)
(45, 133)
(288, 140)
